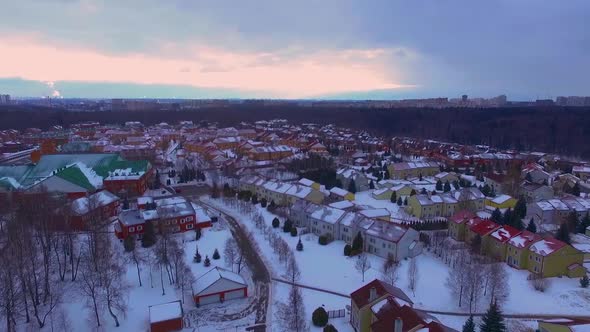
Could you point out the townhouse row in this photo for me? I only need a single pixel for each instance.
(544, 256)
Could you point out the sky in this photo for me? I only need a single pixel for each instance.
(344, 49)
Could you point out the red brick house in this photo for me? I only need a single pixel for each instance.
(98, 207)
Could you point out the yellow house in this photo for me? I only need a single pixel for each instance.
(308, 194)
(422, 206)
(457, 224)
(403, 190)
(501, 202)
(412, 169)
(341, 194)
(552, 258)
(564, 325)
(382, 194)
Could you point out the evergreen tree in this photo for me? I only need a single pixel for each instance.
(197, 233)
(469, 325)
(371, 185)
(507, 218)
(157, 183)
(347, 250)
(456, 185)
(254, 199)
(532, 227)
(352, 186)
(447, 187)
(528, 177)
(272, 205)
(149, 235)
(319, 317)
(497, 216)
(423, 191)
(413, 192)
(357, 242)
(299, 246)
(573, 222)
(330, 328)
(492, 320)
(585, 223)
(420, 177)
(287, 225)
(433, 193)
(129, 243)
(486, 190)
(563, 233)
(276, 223)
(386, 176)
(393, 197)
(207, 262)
(520, 208)
(197, 258)
(406, 201)
(263, 202)
(399, 201)
(216, 254)
(584, 282)
(439, 185)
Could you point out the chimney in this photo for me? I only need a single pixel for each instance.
(372, 294)
(398, 325)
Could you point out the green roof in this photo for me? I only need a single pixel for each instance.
(74, 175)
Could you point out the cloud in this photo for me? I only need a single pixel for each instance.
(323, 72)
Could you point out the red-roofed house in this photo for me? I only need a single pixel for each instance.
(494, 244)
(366, 299)
(517, 249)
(457, 224)
(481, 229)
(552, 258)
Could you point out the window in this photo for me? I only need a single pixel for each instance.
(139, 228)
(383, 245)
(131, 229)
(190, 226)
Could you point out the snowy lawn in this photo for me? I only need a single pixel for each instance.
(326, 267)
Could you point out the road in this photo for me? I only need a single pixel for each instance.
(260, 273)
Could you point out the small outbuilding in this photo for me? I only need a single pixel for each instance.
(166, 317)
(219, 285)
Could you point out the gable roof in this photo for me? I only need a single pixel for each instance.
(524, 239)
(361, 295)
(546, 247)
(485, 227)
(214, 275)
(504, 233)
(462, 216)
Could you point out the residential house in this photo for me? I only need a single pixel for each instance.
(552, 258)
(424, 206)
(275, 191)
(564, 325)
(381, 214)
(499, 183)
(324, 221)
(457, 224)
(412, 169)
(501, 202)
(446, 177)
(389, 315)
(95, 209)
(348, 175)
(219, 285)
(309, 183)
(517, 249)
(582, 172)
(550, 212)
(534, 192)
(382, 194)
(495, 244)
(309, 194)
(337, 194)
(479, 230)
(386, 239)
(470, 198)
(361, 301)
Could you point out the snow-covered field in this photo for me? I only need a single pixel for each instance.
(326, 267)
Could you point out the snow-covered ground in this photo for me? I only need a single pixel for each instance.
(326, 267)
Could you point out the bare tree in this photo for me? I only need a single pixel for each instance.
(363, 264)
(498, 286)
(89, 286)
(413, 275)
(231, 252)
(292, 313)
(138, 258)
(389, 270)
(474, 288)
(114, 290)
(457, 278)
(293, 272)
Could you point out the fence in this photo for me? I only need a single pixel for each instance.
(336, 313)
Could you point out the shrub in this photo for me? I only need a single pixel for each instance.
(347, 250)
(539, 283)
(323, 240)
(207, 261)
(254, 199)
(319, 317)
(293, 231)
(263, 202)
(584, 282)
(216, 254)
(287, 226)
(330, 328)
(299, 246)
(197, 258)
(129, 243)
(276, 223)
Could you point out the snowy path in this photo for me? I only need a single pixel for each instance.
(311, 288)
(260, 274)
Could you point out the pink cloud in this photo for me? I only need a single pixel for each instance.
(322, 72)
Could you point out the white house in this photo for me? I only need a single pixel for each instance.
(219, 285)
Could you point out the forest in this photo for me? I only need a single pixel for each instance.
(554, 129)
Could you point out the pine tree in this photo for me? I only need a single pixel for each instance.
(393, 197)
(520, 208)
(439, 185)
(423, 191)
(585, 223)
(293, 231)
(528, 177)
(399, 201)
(330, 328)
(149, 235)
(207, 262)
(573, 222)
(197, 258)
(299, 246)
(216, 254)
(386, 176)
(371, 185)
(492, 320)
(406, 201)
(413, 192)
(532, 227)
(497, 216)
(287, 226)
(576, 190)
(352, 186)
(357, 243)
(584, 282)
(447, 187)
(276, 223)
(347, 250)
(420, 177)
(469, 325)
(507, 218)
(563, 233)
(197, 233)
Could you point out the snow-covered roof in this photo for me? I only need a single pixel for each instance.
(306, 182)
(131, 218)
(328, 214)
(547, 246)
(82, 205)
(505, 233)
(299, 191)
(375, 213)
(165, 311)
(342, 204)
(524, 239)
(501, 199)
(386, 231)
(212, 276)
(338, 191)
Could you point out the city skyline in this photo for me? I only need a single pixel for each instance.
(327, 50)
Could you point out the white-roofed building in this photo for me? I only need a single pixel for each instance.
(166, 317)
(219, 285)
